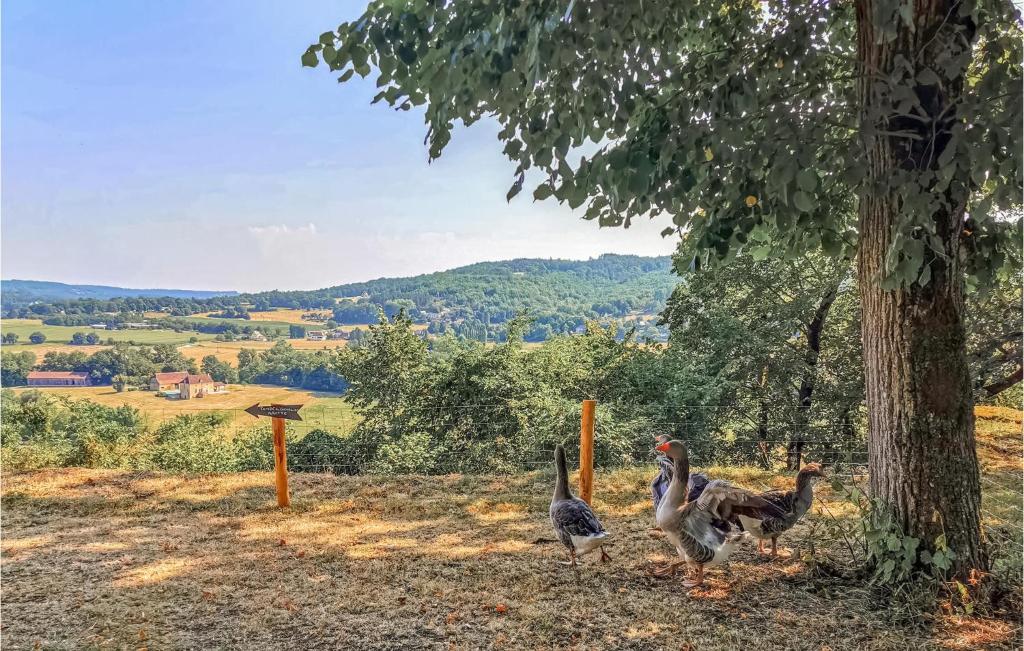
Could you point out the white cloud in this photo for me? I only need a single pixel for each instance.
(282, 230)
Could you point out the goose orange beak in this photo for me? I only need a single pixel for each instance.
(663, 447)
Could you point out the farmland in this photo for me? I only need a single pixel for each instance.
(95, 558)
(228, 350)
(62, 334)
(290, 316)
(58, 338)
(40, 350)
(321, 409)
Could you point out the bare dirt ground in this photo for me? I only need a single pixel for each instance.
(96, 559)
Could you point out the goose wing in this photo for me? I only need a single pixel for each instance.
(785, 501)
(575, 518)
(696, 484)
(701, 537)
(723, 500)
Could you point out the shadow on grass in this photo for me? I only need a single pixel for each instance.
(102, 558)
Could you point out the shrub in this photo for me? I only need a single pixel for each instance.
(413, 453)
(193, 443)
(323, 451)
(254, 449)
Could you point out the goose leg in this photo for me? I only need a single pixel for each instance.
(604, 556)
(785, 553)
(669, 569)
(696, 582)
(572, 559)
(760, 546)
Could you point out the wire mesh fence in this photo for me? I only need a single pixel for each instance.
(478, 439)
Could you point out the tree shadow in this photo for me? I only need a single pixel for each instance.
(208, 561)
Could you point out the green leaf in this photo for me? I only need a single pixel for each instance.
(407, 55)
(803, 201)
(807, 180)
(310, 59)
(345, 76)
(517, 186)
(542, 192)
(927, 77)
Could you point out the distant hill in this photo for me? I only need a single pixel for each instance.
(475, 301)
(24, 291)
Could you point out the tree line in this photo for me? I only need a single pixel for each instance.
(127, 366)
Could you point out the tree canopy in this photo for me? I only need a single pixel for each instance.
(763, 128)
(739, 121)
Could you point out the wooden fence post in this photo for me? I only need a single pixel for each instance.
(587, 450)
(280, 463)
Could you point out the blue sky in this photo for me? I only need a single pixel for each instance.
(182, 145)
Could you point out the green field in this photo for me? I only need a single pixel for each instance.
(62, 334)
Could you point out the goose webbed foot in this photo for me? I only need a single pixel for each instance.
(780, 552)
(604, 556)
(572, 559)
(668, 570)
(699, 580)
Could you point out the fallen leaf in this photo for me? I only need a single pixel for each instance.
(501, 608)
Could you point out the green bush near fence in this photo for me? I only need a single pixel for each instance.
(41, 430)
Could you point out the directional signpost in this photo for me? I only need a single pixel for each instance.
(278, 414)
(287, 412)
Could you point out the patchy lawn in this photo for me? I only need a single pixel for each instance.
(108, 559)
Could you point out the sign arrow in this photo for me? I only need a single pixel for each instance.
(288, 412)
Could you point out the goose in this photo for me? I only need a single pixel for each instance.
(691, 526)
(694, 485)
(791, 506)
(575, 523)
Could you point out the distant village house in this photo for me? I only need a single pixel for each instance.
(58, 379)
(185, 386)
(316, 335)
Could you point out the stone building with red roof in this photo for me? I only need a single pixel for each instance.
(59, 379)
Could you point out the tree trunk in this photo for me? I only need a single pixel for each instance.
(763, 445)
(815, 327)
(921, 449)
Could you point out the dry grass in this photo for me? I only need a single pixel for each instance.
(105, 559)
(227, 351)
(40, 350)
(290, 316)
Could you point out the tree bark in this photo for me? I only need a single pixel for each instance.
(795, 449)
(921, 448)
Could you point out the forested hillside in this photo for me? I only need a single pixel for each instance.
(474, 301)
(559, 294)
